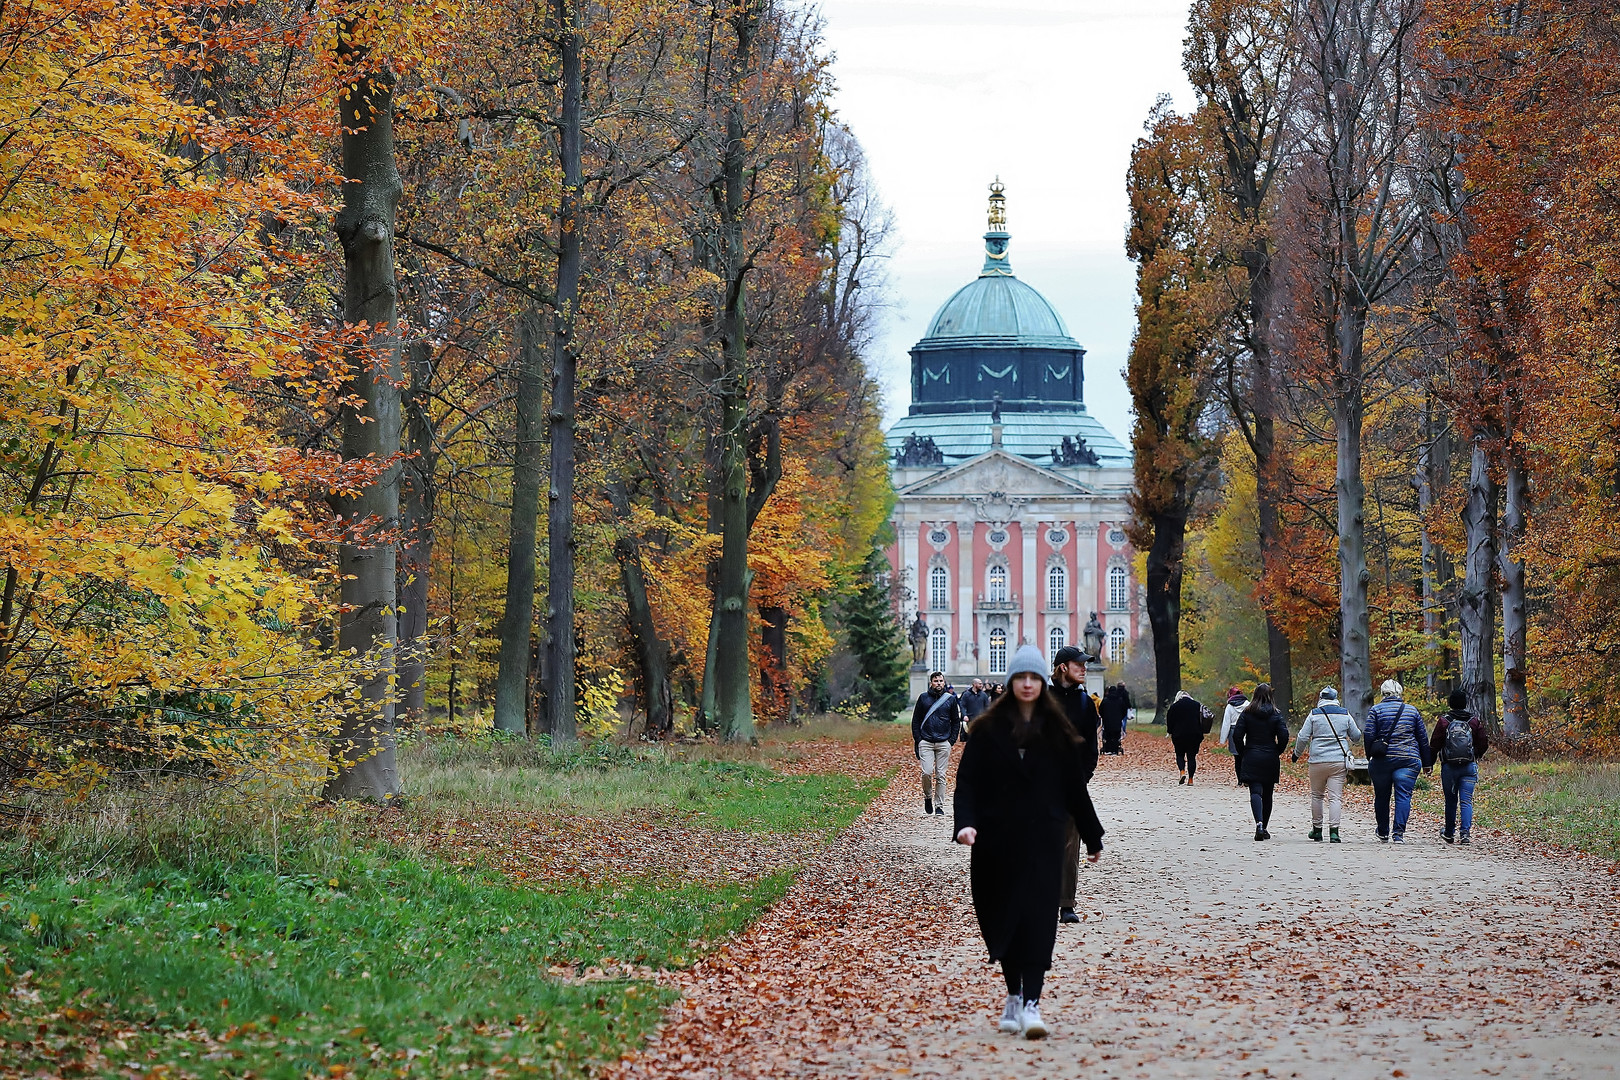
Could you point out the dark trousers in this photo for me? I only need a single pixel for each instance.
(1260, 802)
(1071, 865)
(1023, 982)
(1187, 760)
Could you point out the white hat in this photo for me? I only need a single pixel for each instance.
(1027, 659)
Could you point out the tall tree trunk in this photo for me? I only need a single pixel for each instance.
(417, 496)
(732, 669)
(363, 754)
(652, 651)
(1349, 408)
(1434, 465)
(1515, 691)
(517, 618)
(1164, 571)
(1476, 614)
(776, 691)
(1280, 651)
(560, 647)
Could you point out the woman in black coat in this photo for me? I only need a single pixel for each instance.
(1258, 740)
(1021, 777)
(1184, 723)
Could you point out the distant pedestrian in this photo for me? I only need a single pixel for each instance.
(1184, 723)
(1116, 706)
(1459, 742)
(936, 724)
(1259, 738)
(1236, 702)
(1327, 734)
(1397, 750)
(1022, 777)
(1069, 688)
(975, 701)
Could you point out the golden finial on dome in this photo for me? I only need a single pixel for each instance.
(998, 206)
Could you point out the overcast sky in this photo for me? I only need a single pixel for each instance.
(1047, 94)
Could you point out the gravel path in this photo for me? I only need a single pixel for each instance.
(1202, 953)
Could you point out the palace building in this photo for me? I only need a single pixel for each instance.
(1011, 506)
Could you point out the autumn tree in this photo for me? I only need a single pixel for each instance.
(1169, 370)
(1239, 58)
(1356, 109)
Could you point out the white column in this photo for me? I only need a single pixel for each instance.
(966, 579)
(1085, 591)
(908, 566)
(1030, 600)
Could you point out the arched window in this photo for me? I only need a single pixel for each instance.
(938, 651)
(938, 589)
(998, 651)
(1118, 588)
(1117, 651)
(997, 591)
(1057, 589)
(1055, 640)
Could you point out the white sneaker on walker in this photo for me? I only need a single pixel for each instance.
(1012, 1016)
(1033, 1028)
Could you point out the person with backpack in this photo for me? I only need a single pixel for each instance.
(1397, 750)
(1022, 778)
(936, 724)
(1184, 723)
(1460, 741)
(1235, 704)
(1259, 738)
(1326, 735)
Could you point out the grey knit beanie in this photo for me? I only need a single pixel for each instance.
(1028, 658)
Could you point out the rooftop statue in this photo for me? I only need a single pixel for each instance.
(1074, 451)
(918, 450)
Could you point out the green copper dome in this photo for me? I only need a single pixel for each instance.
(998, 306)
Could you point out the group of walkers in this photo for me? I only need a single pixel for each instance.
(1398, 749)
(1023, 805)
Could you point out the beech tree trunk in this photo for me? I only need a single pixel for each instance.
(517, 619)
(1280, 651)
(1433, 476)
(559, 694)
(417, 497)
(363, 754)
(732, 668)
(1515, 690)
(1164, 573)
(1349, 410)
(1476, 614)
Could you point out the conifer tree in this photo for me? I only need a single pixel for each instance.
(874, 637)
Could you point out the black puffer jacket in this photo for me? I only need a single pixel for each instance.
(1258, 739)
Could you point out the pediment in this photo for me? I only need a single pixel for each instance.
(996, 475)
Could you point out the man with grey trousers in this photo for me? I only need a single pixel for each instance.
(936, 724)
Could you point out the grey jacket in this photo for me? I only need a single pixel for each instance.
(1328, 731)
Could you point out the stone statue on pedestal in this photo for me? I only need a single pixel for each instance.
(918, 636)
(1094, 637)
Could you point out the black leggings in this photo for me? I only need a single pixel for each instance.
(1187, 761)
(1025, 983)
(1260, 802)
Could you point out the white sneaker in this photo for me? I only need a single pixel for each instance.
(1033, 1028)
(1012, 1016)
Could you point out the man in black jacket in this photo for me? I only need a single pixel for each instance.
(936, 724)
(975, 701)
(1069, 687)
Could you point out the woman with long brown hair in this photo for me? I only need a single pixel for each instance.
(1020, 777)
